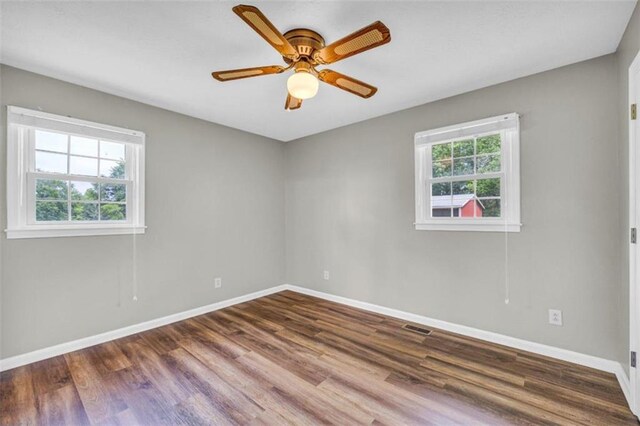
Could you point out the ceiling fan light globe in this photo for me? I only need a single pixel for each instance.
(302, 85)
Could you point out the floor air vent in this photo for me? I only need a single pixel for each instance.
(415, 329)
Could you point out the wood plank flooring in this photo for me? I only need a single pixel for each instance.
(294, 359)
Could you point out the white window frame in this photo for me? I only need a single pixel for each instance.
(21, 126)
(508, 125)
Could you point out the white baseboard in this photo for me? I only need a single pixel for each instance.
(623, 380)
(63, 348)
(538, 348)
(501, 339)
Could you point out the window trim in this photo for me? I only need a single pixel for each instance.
(21, 126)
(509, 127)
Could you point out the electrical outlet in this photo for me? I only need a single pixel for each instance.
(555, 316)
(217, 283)
(325, 275)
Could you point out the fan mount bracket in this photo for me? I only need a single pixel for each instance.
(305, 41)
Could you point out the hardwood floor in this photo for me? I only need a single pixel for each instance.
(294, 359)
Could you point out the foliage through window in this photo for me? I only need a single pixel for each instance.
(80, 178)
(466, 176)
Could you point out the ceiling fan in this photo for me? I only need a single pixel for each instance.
(302, 50)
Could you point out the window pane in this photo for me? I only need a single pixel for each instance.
(84, 146)
(463, 166)
(443, 188)
(488, 187)
(442, 168)
(83, 166)
(51, 141)
(463, 148)
(441, 199)
(441, 151)
(87, 191)
(51, 210)
(463, 198)
(464, 187)
(113, 212)
(488, 163)
(50, 189)
(478, 207)
(488, 144)
(112, 150)
(491, 208)
(112, 169)
(52, 163)
(440, 212)
(84, 211)
(113, 192)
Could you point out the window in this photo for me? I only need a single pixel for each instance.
(468, 176)
(69, 177)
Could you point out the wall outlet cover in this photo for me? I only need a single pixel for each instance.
(555, 316)
(217, 282)
(325, 275)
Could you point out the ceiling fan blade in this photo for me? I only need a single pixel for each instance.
(364, 39)
(292, 103)
(256, 20)
(246, 72)
(347, 83)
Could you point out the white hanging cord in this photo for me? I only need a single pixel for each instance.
(119, 304)
(506, 265)
(507, 294)
(134, 255)
(134, 268)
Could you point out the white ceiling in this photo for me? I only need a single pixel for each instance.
(162, 53)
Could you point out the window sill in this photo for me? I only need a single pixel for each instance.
(73, 231)
(478, 227)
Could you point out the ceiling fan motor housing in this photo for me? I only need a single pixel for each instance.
(305, 41)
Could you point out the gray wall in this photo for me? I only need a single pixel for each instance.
(627, 51)
(214, 207)
(350, 210)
